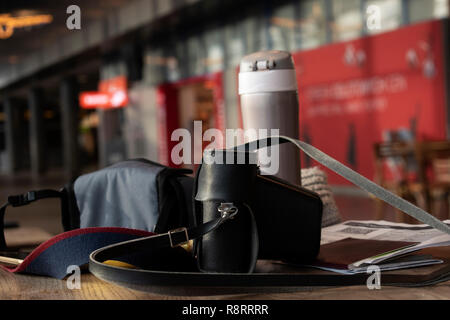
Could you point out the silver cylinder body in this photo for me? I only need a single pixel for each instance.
(270, 101)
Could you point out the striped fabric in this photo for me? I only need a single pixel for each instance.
(315, 180)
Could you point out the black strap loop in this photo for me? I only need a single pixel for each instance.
(22, 200)
(172, 238)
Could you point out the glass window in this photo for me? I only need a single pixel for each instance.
(263, 35)
(180, 69)
(255, 30)
(347, 19)
(235, 43)
(196, 55)
(214, 60)
(382, 15)
(173, 62)
(282, 27)
(420, 10)
(312, 31)
(154, 66)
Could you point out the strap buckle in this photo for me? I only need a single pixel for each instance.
(170, 232)
(23, 199)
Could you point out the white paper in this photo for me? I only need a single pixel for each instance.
(385, 230)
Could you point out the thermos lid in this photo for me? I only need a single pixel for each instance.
(267, 71)
(267, 60)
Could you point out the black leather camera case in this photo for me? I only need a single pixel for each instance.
(275, 220)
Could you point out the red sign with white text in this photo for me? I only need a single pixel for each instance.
(357, 93)
(112, 94)
(93, 99)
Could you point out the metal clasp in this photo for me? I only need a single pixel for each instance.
(170, 232)
(227, 210)
(22, 199)
(30, 196)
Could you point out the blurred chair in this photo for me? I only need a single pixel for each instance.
(434, 173)
(399, 155)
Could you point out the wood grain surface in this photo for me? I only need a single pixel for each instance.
(18, 286)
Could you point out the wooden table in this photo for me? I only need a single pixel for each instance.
(17, 286)
(20, 286)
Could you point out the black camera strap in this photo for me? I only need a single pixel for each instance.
(179, 236)
(353, 177)
(172, 238)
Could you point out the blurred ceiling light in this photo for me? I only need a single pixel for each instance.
(212, 61)
(285, 22)
(8, 23)
(25, 13)
(315, 14)
(291, 23)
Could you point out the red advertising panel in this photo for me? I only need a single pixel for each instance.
(215, 83)
(356, 93)
(169, 115)
(113, 93)
(167, 101)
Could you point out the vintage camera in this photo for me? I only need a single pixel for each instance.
(271, 218)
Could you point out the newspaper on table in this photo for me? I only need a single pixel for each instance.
(423, 235)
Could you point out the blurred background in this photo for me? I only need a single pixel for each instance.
(84, 84)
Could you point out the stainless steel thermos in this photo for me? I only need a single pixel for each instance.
(269, 100)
